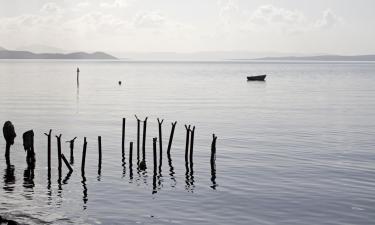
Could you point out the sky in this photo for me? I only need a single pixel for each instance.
(283, 26)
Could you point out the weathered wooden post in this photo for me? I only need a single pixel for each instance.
(155, 165)
(213, 163)
(191, 147)
(131, 154)
(138, 136)
(49, 152)
(83, 156)
(160, 138)
(171, 137)
(131, 160)
(77, 76)
(28, 145)
(144, 140)
(59, 154)
(123, 136)
(67, 163)
(71, 146)
(100, 154)
(187, 143)
(9, 135)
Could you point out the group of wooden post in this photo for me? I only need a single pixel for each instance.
(28, 138)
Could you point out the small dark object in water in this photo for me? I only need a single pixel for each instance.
(256, 78)
(142, 165)
(9, 222)
(119, 83)
(9, 133)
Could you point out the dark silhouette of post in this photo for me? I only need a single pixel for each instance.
(155, 165)
(28, 145)
(130, 154)
(123, 136)
(59, 154)
(100, 154)
(160, 138)
(171, 137)
(187, 143)
(144, 140)
(83, 156)
(213, 163)
(71, 146)
(138, 136)
(78, 76)
(191, 147)
(49, 152)
(9, 135)
(67, 163)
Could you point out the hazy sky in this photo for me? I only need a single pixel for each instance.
(296, 26)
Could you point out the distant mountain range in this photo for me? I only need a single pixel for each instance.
(10, 54)
(323, 58)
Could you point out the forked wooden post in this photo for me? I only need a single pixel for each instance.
(83, 156)
(160, 141)
(171, 137)
(187, 143)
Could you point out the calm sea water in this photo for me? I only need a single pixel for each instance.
(296, 149)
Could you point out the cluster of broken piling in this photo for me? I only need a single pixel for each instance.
(28, 143)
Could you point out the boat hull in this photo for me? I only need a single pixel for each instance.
(256, 78)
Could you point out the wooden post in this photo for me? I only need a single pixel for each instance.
(59, 154)
(67, 163)
(160, 138)
(154, 150)
(123, 136)
(191, 147)
(171, 137)
(71, 146)
(187, 143)
(131, 154)
(138, 135)
(83, 156)
(155, 166)
(77, 76)
(100, 154)
(49, 152)
(213, 163)
(144, 140)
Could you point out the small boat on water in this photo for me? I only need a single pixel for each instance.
(256, 78)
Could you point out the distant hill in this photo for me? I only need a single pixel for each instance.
(9, 54)
(324, 58)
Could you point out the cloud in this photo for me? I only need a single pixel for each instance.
(328, 20)
(115, 4)
(268, 14)
(51, 8)
(149, 20)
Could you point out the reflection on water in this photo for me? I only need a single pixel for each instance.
(171, 170)
(84, 192)
(28, 180)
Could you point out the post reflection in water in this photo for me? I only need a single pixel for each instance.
(67, 177)
(28, 180)
(84, 192)
(171, 170)
(123, 165)
(154, 177)
(9, 178)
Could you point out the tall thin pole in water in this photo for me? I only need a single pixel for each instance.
(171, 137)
(83, 157)
(77, 76)
(123, 136)
(49, 152)
(138, 136)
(144, 140)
